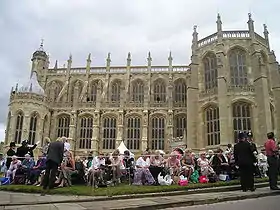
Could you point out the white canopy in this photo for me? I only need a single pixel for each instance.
(122, 147)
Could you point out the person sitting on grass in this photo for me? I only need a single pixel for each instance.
(204, 165)
(188, 164)
(116, 163)
(157, 163)
(142, 174)
(35, 172)
(13, 168)
(173, 163)
(97, 171)
(220, 163)
(26, 167)
(66, 170)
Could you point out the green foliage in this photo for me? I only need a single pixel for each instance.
(119, 190)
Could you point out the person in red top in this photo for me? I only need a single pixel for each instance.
(272, 159)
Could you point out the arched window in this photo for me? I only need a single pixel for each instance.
(180, 125)
(133, 136)
(53, 90)
(180, 92)
(116, 92)
(92, 92)
(32, 129)
(210, 72)
(159, 91)
(18, 131)
(238, 69)
(241, 113)
(138, 91)
(212, 125)
(63, 123)
(158, 133)
(109, 133)
(86, 124)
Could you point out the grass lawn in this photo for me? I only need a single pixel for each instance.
(118, 190)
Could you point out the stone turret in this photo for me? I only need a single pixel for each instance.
(30, 101)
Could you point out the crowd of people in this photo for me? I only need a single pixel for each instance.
(56, 166)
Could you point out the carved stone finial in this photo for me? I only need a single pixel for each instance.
(250, 16)
(41, 48)
(170, 56)
(219, 24)
(129, 56)
(149, 55)
(108, 58)
(195, 28)
(251, 25)
(128, 59)
(218, 17)
(265, 31)
(89, 55)
(55, 65)
(149, 59)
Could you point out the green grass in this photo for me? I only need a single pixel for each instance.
(118, 190)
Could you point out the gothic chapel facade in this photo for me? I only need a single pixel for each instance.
(232, 84)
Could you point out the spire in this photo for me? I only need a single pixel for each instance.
(69, 63)
(219, 24)
(41, 48)
(108, 60)
(170, 59)
(266, 33)
(149, 59)
(129, 59)
(88, 59)
(55, 65)
(251, 25)
(195, 38)
(88, 63)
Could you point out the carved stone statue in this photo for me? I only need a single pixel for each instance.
(219, 60)
(120, 119)
(260, 59)
(119, 132)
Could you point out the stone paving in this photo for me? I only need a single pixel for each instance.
(26, 198)
(129, 204)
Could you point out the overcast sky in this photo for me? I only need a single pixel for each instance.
(117, 26)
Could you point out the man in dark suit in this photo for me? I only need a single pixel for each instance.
(54, 159)
(245, 160)
(255, 152)
(24, 149)
(10, 153)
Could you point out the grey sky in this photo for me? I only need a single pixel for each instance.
(116, 26)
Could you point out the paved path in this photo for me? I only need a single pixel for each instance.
(141, 203)
(269, 203)
(26, 198)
